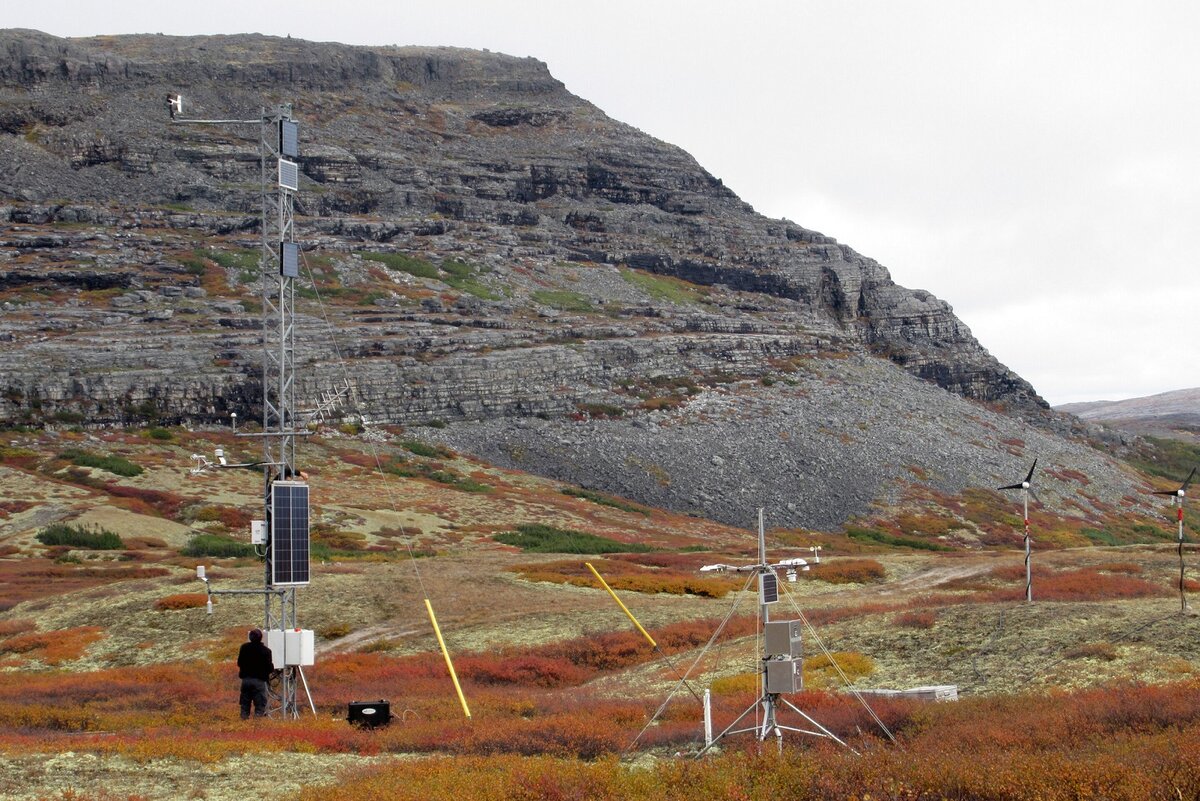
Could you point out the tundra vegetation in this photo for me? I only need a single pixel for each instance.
(108, 655)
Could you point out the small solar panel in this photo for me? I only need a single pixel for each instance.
(289, 175)
(289, 533)
(289, 259)
(768, 588)
(289, 138)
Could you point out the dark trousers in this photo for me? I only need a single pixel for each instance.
(253, 690)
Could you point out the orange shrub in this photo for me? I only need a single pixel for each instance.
(183, 600)
(52, 647)
(819, 670)
(846, 571)
(933, 525)
(738, 684)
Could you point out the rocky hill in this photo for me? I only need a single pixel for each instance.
(1172, 414)
(488, 255)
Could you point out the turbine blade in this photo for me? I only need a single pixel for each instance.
(1188, 480)
(1011, 486)
(1029, 478)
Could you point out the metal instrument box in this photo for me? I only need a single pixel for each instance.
(783, 638)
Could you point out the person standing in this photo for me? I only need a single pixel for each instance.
(254, 669)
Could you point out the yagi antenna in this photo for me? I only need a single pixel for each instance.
(1177, 496)
(1026, 487)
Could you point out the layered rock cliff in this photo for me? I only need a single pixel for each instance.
(481, 245)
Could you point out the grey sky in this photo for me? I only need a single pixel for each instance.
(1036, 164)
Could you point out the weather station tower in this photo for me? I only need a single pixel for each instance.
(281, 538)
(781, 668)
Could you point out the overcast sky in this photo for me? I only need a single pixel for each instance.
(1035, 164)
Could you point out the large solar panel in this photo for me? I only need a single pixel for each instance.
(289, 259)
(289, 533)
(289, 138)
(289, 175)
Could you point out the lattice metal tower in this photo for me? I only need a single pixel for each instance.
(285, 495)
(278, 255)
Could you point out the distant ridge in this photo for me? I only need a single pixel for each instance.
(1174, 413)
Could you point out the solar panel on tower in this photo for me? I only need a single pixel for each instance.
(289, 533)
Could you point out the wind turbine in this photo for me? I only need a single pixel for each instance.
(1178, 495)
(1024, 487)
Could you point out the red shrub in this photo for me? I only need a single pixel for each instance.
(917, 619)
(11, 627)
(166, 504)
(528, 670)
(1128, 568)
(1086, 584)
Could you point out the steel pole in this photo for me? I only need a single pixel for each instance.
(1179, 516)
(1028, 569)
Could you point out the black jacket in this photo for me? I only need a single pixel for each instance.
(254, 661)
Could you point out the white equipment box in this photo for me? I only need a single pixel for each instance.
(291, 647)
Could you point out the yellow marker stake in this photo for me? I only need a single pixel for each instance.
(450, 665)
(624, 608)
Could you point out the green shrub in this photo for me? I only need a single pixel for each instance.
(193, 265)
(1100, 537)
(424, 449)
(94, 537)
(408, 264)
(160, 434)
(661, 287)
(447, 477)
(473, 287)
(113, 464)
(605, 500)
(563, 300)
(1168, 458)
(216, 545)
(600, 410)
(234, 259)
(539, 538)
(880, 538)
(458, 269)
